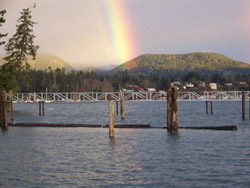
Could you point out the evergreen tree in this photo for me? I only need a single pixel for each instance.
(18, 48)
(2, 20)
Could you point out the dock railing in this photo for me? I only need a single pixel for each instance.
(115, 96)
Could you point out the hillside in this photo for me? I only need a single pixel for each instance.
(44, 61)
(170, 64)
(91, 67)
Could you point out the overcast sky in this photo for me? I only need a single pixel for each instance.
(115, 31)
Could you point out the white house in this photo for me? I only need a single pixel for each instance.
(213, 86)
(150, 90)
(189, 85)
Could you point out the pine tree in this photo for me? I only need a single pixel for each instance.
(18, 49)
(2, 20)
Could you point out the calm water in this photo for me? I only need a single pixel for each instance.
(86, 157)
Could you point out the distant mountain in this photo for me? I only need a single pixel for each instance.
(89, 67)
(174, 64)
(83, 66)
(106, 67)
(44, 61)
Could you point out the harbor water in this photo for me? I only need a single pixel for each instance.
(86, 157)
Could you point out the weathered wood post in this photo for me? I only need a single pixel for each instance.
(4, 120)
(174, 109)
(249, 100)
(211, 105)
(111, 117)
(243, 105)
(169, 109)
(46, 96)
(11, 105)
(117, 107)
(122, 105)
(39, 108)
(206, 107)
(43, 107)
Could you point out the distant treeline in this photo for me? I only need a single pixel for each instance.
(78, 81)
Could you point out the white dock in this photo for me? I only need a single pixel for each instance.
(134, 96)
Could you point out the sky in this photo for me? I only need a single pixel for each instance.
(104, 32)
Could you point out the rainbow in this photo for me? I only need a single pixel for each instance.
(118, 30)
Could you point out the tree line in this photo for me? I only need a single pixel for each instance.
(89, 81)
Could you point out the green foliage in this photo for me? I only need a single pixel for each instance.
(18, 48)
(77, 81)
(174, 65)
(60, 81)
(2, 20)
(191, 76)
(218, 78)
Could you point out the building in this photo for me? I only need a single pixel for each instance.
(136, 88)
(202, 84)
(150, 89)
(189, 85)
(175, 83)
(242, 83)
(213, 86)
(228, 84)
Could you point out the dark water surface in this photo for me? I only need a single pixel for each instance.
(86, 157)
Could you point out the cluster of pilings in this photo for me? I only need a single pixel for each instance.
(172, 110)
(111, 113)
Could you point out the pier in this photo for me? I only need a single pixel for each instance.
(170, 97)
(116, 96)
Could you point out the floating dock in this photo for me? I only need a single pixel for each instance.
(127, 126)
(78, 125)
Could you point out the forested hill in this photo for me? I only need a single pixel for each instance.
(171, 64)
(44, 61)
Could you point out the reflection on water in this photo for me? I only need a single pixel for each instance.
(87, 157)
(112, 143)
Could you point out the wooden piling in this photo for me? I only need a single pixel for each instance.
(4, 120)
(39, 108)
(117, 107)
(169, 109)
(243, 105)
(174, 109)
(122, 105)
(43, 107)
(111, 117)
(11, 105)
(206, 107)
(211, 105)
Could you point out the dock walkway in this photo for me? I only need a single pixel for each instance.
(134, 96)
